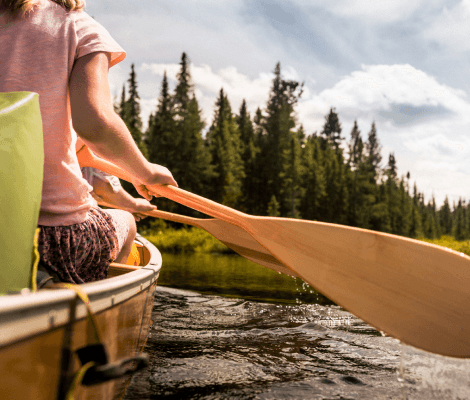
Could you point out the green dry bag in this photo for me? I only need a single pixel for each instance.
(21, 174)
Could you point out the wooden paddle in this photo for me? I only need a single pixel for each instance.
(416, 292)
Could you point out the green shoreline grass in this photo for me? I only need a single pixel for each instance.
(196, 240)
(451, 243)
(185, 240)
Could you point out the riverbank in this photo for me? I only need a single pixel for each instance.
(184, 240)
(196, 240)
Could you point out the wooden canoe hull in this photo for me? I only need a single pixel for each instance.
(41, 331)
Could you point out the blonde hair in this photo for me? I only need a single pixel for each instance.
(21, 7)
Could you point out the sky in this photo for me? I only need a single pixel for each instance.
(404, 64)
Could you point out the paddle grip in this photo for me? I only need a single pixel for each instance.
(87, 159)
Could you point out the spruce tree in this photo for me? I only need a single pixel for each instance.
(122, 105)
(356, 148)
(225, 148)
(273, 207)
(251, 184)
(190, 157)
(402, 221)
(354, 179)
(132, 111)
(160, 140)
(445, 217)
(415, 223)
(257, 182)
(373, 156)
(336, 208)
(291, 175)
(459, 226)
(380, 216)
(392, 193)
(278, 123)
(314, 196)
(331, 132)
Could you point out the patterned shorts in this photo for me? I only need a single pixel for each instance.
(82, 252)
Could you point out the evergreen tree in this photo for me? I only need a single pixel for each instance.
(459, 228)
(402, 221)
(190, 159)
(251, 184)
(415, 225)
(197, 163)
(184, 88)
(373, 156)
(258, 197)
(225, 147)
(122, 105)
(273, 207)
(336, 208)
(314, 196)
(380, 216)
(445, 217)
(331, 132)
(132, 111)
(161, 144)
(356, 148)
(430, 226)
(291, 175)
(357, 215)
(392, 193)
(278, 123)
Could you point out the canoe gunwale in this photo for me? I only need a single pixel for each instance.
(26, 315)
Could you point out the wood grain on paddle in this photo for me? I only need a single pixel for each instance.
(416, 292)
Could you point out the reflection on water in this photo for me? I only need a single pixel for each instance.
(236, 277)
(206, 346)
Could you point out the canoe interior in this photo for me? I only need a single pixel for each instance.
(41, 331)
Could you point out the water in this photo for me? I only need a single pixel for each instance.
(223, 342)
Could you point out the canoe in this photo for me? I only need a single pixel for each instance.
(43, 334)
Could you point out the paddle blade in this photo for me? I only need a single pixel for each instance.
(243, 243)
(414, 291)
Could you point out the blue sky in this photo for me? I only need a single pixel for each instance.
(403, 64)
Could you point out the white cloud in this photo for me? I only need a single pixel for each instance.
(451, 27)
(377, 89)
(372, 11)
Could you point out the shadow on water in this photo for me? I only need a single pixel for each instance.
(219, 344)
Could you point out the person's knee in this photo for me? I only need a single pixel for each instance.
(127, 244)
(132, 228)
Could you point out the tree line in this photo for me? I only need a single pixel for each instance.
(266, 164)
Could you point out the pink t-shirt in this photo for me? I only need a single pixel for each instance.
(37, 54)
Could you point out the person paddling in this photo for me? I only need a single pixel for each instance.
(54, 48)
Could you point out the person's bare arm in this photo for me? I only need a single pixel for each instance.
(96, 122)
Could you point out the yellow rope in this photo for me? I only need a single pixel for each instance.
(77, 380)
(34, 269)
(84, 297)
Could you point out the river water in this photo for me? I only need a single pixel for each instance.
(225, 328)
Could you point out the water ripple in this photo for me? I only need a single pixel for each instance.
(210, 347)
